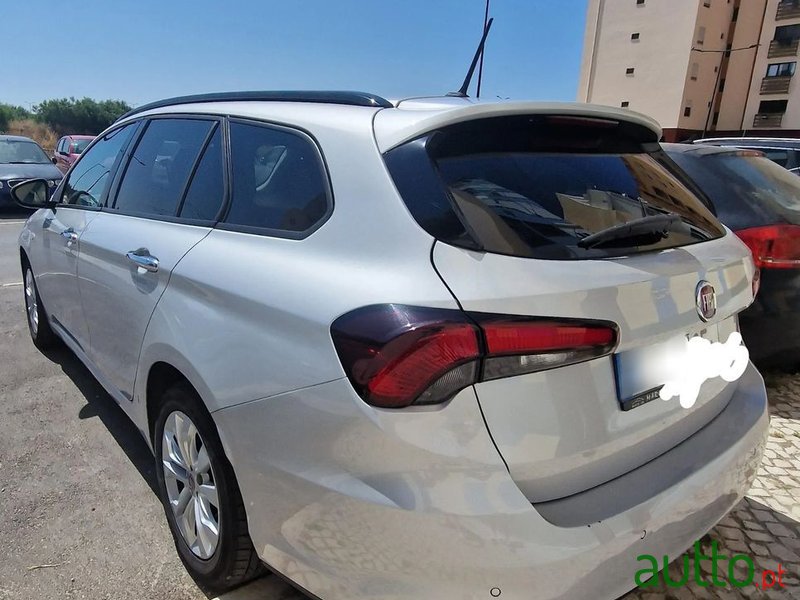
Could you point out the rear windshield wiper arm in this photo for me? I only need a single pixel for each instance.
(638, 232)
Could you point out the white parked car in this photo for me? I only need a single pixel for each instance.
(404, 350)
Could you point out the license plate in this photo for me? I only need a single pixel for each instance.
(641, 372)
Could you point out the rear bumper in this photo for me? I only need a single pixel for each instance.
(354, 503)
(771, 325)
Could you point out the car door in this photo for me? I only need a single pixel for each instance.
(55, 258)
(129, 250)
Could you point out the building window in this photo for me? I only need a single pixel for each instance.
(722, 85)
(687, 111)
(629, 71)
(701, 35)
(772, 107)
(781, 69)
(624, 104)
(639, 2)
(707, 3)
(694, 71)
(787, 34)
(634, 37)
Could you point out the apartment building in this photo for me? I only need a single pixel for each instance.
(699, 67)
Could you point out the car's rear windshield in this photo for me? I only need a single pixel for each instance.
(535, 187)
(733, 180)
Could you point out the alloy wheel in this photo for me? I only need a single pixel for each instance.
(31, 302)
(191, 486)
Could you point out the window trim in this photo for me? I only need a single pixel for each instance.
(110, 206)
(115, 168)
(324, 170)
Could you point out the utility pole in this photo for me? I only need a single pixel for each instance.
(724, 53)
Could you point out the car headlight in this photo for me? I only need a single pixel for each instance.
(53, 183)
(1, 185)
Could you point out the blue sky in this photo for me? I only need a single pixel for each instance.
(145, 50)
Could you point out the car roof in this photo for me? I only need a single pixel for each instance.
(745, 142)
(397, 121)
(15, 138)
(698, 149)
(74, 136)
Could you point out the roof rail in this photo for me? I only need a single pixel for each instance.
(324, 97)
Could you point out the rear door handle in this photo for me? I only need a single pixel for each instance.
(70, 235)
(141, 258)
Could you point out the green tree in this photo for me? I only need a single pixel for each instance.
(9, 112)
(84, 116)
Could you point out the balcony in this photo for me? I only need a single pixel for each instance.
(778, 48)
(768, 120)
(776, 85)
(788, 9)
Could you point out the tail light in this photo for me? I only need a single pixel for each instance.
(773, 246)
(397, 356)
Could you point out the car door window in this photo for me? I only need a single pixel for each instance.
(205, 194)
(279, 182)
(90, 177)
(159, 167)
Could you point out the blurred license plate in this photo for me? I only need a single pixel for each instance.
(642, 372)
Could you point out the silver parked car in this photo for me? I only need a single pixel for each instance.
(403, 350)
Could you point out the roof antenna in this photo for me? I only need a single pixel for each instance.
(462, 92)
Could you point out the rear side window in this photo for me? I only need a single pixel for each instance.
(279, 183)
(89, 179)
(160, 166)
(205, 194)
(536, 186)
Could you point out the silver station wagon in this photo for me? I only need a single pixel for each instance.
(404, 349)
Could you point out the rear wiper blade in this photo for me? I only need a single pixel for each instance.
(638, 232)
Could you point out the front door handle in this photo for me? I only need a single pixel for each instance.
(70, 235)
(141, 257)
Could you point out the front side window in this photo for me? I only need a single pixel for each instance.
(279, 182)
(160, 166)
(89, 179)
(781, 69)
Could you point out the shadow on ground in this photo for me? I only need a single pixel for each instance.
(99, 404)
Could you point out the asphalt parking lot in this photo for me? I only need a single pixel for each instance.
(79, 517)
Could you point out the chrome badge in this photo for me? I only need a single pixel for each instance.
(706, 300)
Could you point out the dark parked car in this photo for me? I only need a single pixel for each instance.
(21, 158)
(784, 151)
(761, 203)
(68, 150)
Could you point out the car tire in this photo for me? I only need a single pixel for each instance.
(38, 322)
(232, 560)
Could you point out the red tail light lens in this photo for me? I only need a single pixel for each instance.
(773, 246)
(518, 345)
(396, 356)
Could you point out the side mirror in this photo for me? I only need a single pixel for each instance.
(55, 160)
(33, 193)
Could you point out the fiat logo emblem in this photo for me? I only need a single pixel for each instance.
(706, 300)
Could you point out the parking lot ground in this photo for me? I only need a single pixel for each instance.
(79, 517)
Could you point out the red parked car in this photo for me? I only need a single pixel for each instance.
(68, 150)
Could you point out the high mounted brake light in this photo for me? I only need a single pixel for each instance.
(397, 356)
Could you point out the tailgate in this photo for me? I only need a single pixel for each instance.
(563, 431)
